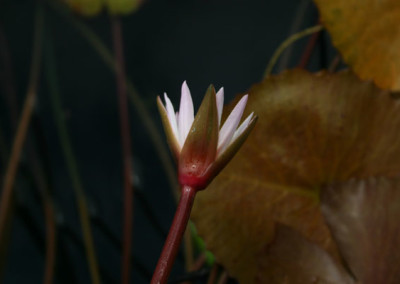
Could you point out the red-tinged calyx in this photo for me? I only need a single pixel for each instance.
(200, 148)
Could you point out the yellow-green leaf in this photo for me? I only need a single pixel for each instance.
(367, 34)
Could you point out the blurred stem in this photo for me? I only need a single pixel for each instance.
(223, 278)
(9, 179)
(177, 229)
(52, 81)
(301, 11)
(334, 64)
(305, 58)
(140, 107)
(290, 40)
(48, 209)
(126, 147)
(50, 240)
(3, 151)
(213, 274)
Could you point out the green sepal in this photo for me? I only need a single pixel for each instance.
(232, 149)
(200, 148)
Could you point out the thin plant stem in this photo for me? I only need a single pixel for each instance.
(126, 148)
(223, 278)
(199, 262)
(290, 40)
(3, 150)
(52, 82)
(50, 241)
(172, 244)
(305, 58)
(49, 214)
(334, 64)
(213, 274)
(19, 140)
(301, 10)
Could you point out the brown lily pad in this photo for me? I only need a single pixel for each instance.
(364, 219)
(367, 34)
(312, 129)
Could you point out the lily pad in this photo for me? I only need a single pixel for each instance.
(367, 34)
(312, 129)
(290, 258)
(364, 219)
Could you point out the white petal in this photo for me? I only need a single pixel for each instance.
(186, 113)
(171, 117)
(242, 127)
(230, 125)
(220, 104)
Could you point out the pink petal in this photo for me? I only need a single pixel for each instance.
(186, 113)
(220, 104)
(171, 117)
(242, 127)
(230, 125)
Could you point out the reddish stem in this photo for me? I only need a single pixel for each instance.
(50, 240)
(126, 149)
(172, 244)
(308, 50)
(213, 274)
(334, 64)
(224, 278)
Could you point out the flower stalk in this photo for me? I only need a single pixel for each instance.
(172, 244)
(202, 148)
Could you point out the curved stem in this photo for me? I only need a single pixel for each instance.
(301, 11)
(52, 81)
(9, 179)
(126, 148)
(213, 274)
(172, 244)
(287, 43)
(48, 210)
(308, 50)
(223, 278)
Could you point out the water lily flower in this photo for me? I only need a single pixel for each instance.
(202, 147)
